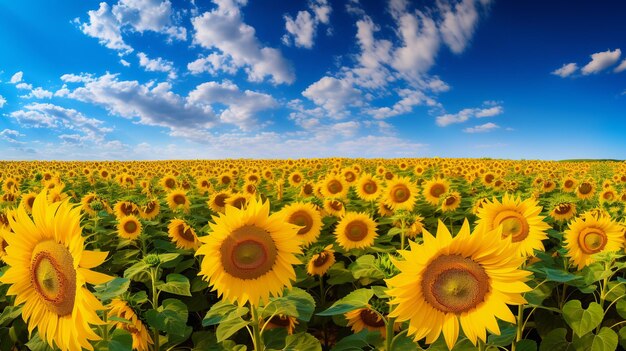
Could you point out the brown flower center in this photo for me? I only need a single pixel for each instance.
(130, 226)
(592, 240)
(303, 219)
(53, 276)
(248, 252)
(452, 283)
(371, 318)
(356, 230)
(437, 190)
(296, 178)
(563, 209)
(334, 187)
(170, 183)
(585, 188)
(513, 224)
(400, 193)
(220, 200)
(186, 233)
(321, 259)
(450, 200)
(179, 199)
(370, 187)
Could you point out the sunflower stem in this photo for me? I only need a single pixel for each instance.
(155, 304)
(322, 304)
(520, 326)
(256, 330)
(402, 234)
(389, 331)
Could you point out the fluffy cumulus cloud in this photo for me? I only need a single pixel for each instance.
(17, 77)
(601, 61)
(301, 31)
(107, 23)
(621, 67)
(465, 114)
(157, 65)
(459, 23)
(483, 128)
(334, 95)
(566, 70)
(224, 30)
(55, 117)
(242, 107)
(11, 136)
(3, 101)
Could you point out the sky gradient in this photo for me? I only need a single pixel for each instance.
(152, 79)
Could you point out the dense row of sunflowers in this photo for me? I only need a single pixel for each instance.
(341, 254)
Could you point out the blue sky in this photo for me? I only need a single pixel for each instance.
(153, 79)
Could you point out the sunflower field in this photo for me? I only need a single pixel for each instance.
(313, 254)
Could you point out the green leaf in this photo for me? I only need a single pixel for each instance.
(138, 268)
(176, 284)
(557, 275)
(338, 274)
(605, 340)
(620, 307)
(229, 326)
(356, 342)
(9, 314)
(222, 310)
(622, 337)
(302, 342)
(171, 317)
(582, 321)
(526, 345)
(112, 289)
(555, 341)
(380, 291)
(356, 299)
(366, 270)
(36, 344)
(294, 302)
(120, 340)
(538, 294)
(506, 337)
(615, 290)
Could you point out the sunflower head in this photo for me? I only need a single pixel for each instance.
(355, 231)
(466, 280)
(434, 189)
(182, 234)
(307, 217)
(450, 201)
(249, 254)
(321, 262)
(400, 194)
(150, 210)
(129, 227)
(217, 201)
(178, 200)
(590, 234)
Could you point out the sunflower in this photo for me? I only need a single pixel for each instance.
(217, 201)
(608, 195)
(321, 262)
(569, 184)
(468, 279)
(384, 210)
(238, 200)
(249, 188)
(225, 178)
(451, 201)
(434, 189)
(520, 220)
(125, 208)
(295, 178)
(355, 231)
(150, 210)
(178, 200)
(307, 217)
(366, 318)
(249, 254)
(307, 189)
(168, 182)
(138, 331)
(204, 185)
(415, 228)
(334, 207)
(129, 227)
(182, 234)
(334, 186)
(585, 190)
(563, 211)
(367, 188)
(478, 204)
(28, 200)
(590, 234)
(281, 321)
(48, 271)
(400, 194)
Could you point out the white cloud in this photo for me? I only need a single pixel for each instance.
(465, 114)
(621, 67)
(3, 101)
(108, 23)
(105, 27)
(483, 128)
(152, 104)
(566, 70)
(410, 98)
(51, 116)
(213, 64)
(242, 106)
(17, 77)
(24, 86)
(223, 29)
(334, 95)
(125, 63)
(77, 78)
(489, 112)
(64, 91)
(157, 65)
(420, 43)
(458, 25)
(601, 60)
(38, 93)
(11, 136)
(302, 29)
(148, 15)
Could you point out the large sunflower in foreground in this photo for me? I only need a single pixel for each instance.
(591, 234)
(48, 271)
(520, 221)
(249, 255)
(468, 279)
